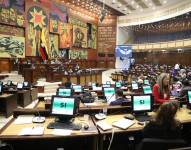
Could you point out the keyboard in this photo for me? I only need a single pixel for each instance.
(142, 118)
(61, 125)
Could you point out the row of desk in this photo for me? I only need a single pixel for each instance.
(90, 139)
(13, 98)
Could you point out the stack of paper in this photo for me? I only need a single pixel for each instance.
(123, 123)
(32, 131)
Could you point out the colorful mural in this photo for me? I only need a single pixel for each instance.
(12, 46)
(79, 37)
(78, 54)
(37, 31)
(12, 12)
(11, 30)
(54, 45)
(94, 36)
(65, 31)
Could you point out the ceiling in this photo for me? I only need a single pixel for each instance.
(90, 7)
(139, 6)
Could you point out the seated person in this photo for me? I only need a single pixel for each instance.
(161, 90)
(119, 98)
(164, 125)
(185, 89)
(67, 84)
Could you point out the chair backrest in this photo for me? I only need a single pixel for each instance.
(160, 144)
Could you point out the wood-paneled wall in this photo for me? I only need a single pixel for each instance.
(169, 58)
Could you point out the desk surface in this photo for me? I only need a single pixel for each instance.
(182, 115)
(5, 95)
(12, 130)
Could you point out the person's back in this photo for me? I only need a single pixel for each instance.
(119, 98)
(186, 88)
(164, 125)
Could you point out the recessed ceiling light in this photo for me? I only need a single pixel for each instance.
(132, 2)
(150, 4)
(164, 2)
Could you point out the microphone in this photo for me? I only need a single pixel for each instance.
(38, 119)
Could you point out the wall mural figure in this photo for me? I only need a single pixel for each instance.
(79, 37)
(12, 46)
(54, 45)
(38, 35)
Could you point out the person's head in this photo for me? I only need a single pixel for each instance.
(68, 84)
(185, 82)
(164, 83)
(166, 113)
(119, 93)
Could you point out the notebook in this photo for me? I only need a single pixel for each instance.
(104, 125)
(123, 123)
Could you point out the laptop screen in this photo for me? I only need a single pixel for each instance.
(77, 88)
(118, 84)
(109, 92)
(134, 86)
(146, 82)
(64, 92)
(147, 90)
(141, 103)
(189, 97)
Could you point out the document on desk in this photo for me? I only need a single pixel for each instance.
(123, 123)
(90, 104)
(61, 132)
(104, 125)
(32, 131)
(24, 119)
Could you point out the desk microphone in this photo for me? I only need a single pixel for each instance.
(38, 119)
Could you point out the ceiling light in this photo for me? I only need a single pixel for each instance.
(113, 2)
(164, 2)
(132, 2)
(153, 8)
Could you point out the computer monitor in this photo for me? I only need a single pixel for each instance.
(19, 86)
(189, 97)
(147, 89)
(146, 82)
(118, 84)
(134, 86)
(26, 84)
(9, 83)
(106, 85)
(77, 88)
(141, 103)
(108, 82)
(65, 92)
(109, 91)
(96, 88)
(1, 89)
(93, 84)
(63, 107)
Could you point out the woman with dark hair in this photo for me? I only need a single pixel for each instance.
(161, 90)
(164, 124)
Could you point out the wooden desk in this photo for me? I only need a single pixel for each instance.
(81, 140)
(8, 102)
(24, 98)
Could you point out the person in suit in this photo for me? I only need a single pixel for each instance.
(185, 89)
(161, 90)
(164, 125)
(119, 98)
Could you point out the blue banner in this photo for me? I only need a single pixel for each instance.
(123, 51)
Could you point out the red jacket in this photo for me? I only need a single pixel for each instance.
(157, 97)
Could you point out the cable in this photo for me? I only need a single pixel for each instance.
(112, 136)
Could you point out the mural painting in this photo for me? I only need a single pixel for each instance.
(37, 32)
(65, 31)
(78, 54)
(12, 46)
(54, 45)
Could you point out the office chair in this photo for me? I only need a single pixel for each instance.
(160, 144)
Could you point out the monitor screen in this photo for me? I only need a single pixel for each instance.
(106, 85)
(108, 82)
(147, 90)
(62, 106)
(109, 92)
(19, 85)
(134, 86)
(64, 92)
(9, 82)
(93, 84)
(77, 88)
(189, 97)
(141, 103)
(26, 84)
(118, 84)
(96, 88)
(146, 82)
(1, 89)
